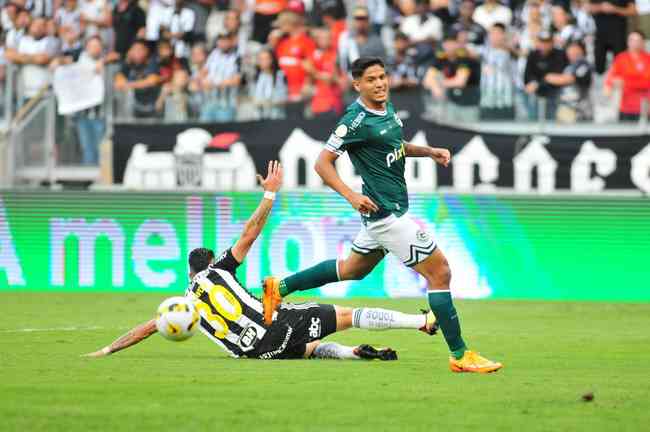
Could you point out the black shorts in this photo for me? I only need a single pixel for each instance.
(295, 326)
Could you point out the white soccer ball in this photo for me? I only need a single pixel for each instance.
(177, 318)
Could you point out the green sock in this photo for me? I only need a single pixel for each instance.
(316, 276)
(445, 312)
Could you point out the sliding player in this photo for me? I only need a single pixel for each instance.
(233, 319)
(371, 132)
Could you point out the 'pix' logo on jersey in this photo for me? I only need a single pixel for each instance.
(395, 155)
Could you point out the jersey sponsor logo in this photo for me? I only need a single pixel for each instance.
(395, 155)
(357, 120)
(341, 131)
(314, 328)
(248, 337)
(280, 350)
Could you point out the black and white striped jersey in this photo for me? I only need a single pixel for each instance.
(230, 315)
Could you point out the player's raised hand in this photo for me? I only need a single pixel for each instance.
(273, 180)
(363, 204)
(441, 155)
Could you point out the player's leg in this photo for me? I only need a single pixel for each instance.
(417, 249)
(436, 271)
(333, 350)
(365, 255)
(382, 319)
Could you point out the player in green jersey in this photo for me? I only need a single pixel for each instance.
(371, 132)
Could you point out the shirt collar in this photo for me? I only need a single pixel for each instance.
(370, 110)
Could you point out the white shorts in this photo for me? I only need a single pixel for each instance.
(401, 236)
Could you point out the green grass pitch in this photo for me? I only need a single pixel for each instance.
(553, 353)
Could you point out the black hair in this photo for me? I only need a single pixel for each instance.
(275, 66)
(639, 32)
(500, 26)
(360, 65)
(199, 259)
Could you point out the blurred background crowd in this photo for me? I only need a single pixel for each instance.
(233, 60)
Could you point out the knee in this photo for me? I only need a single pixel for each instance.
(440, 278)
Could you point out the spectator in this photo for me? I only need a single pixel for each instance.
(90, 123)
(402, 67)
(611, 27)
(96, 19)
(8, 16)
(440, 8)
(543, 13)
(202, 10)
(542, 61)
(327, 97)
(232, 24)
(335, 25)
(128, 21)
(293, 49)
(34, 53)
(584, 21)
(174, 77)
(334, 9)
(222, 77)
(181, 28)
(39, 8)
(139, 73)
(468, 30)
(198, 58)
(565, 31)
(575, 81)
(67, 21)
(490, 13)
(630, 71)
(21, 25)
(159, 13)
(266, 12)
(359, 41)
(498, 67)
(269, 91)
(417, 25)
(455, 76)
(377, 13)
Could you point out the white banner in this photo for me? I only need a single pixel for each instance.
(77, 87)
(643, 7)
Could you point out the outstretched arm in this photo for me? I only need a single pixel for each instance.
(134, 336)
(440, 155)
(256, 222)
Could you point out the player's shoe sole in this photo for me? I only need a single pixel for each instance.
(271, 298)
(368, 352)
(472, 362)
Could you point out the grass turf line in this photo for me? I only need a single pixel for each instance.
(553, 352)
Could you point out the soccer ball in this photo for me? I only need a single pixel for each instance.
(177, 318)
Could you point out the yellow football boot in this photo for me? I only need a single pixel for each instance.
(473, 362)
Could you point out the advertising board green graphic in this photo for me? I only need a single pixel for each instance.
(498, 246)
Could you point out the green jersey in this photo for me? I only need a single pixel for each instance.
(375, 143)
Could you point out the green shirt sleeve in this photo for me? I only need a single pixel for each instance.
(349, 133)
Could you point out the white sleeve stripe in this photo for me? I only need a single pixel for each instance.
(333, 150)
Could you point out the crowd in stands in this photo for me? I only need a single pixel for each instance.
(226, 60)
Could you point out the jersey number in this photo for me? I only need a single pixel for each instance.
(224, 302)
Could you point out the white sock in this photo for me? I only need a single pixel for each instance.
(332, 350)
(384, 319)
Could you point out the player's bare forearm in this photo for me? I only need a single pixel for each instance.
(440, 155)
(326, 169)
(134, 336)
(256, 222)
